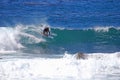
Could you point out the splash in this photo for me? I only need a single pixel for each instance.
(96, 67)
(9, 39)
(12, 38)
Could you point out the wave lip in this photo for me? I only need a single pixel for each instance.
(105, 28)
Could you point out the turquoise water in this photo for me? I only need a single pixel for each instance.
(88, 40)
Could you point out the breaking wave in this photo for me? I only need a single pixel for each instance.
(29, 38)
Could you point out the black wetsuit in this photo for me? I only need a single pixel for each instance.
(46, 31)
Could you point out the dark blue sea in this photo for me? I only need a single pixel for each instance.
(90, 28)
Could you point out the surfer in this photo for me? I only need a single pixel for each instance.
(46, 31)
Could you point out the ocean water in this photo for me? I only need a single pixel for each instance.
(91, 27)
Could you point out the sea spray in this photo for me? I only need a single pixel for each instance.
(62, 68)
(14, 38)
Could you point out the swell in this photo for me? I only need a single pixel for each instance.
(29, 39)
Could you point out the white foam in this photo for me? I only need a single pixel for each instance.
(10, 37)
(32, 38)
(104, 28)
(6, 51)
(66, 68)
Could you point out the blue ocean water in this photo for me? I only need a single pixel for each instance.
(91, 27)
(62, 13)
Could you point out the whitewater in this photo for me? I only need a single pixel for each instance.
(96, 67)
(25, 54)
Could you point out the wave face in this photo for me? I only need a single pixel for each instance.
(29, 39)
(94, 39)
